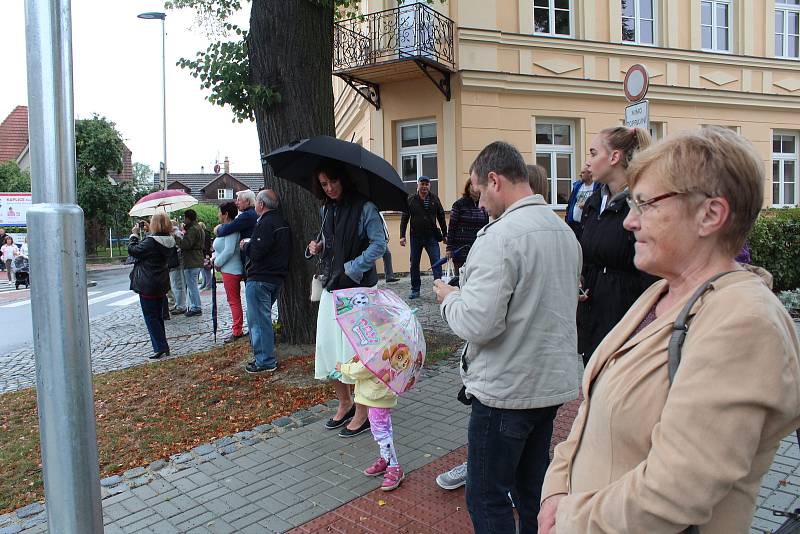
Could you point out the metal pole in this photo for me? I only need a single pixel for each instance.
(164, 93)
(57, 252)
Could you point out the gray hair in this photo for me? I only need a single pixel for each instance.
(248, 196)
(270, 201)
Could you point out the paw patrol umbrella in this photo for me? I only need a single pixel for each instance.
(384, 332)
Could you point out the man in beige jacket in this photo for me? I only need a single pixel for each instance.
(516, 310)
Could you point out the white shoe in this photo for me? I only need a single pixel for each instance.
(453, 479)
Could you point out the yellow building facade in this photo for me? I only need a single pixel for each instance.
(427, 86)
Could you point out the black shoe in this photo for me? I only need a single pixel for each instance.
(390, 280)
(177, 311)
(254, 369)
(333, 424)
(194, 313)
(231, 338)
(347, 433)
(159, 355)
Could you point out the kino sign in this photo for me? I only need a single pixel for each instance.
(637, 81)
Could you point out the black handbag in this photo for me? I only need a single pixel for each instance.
(679, 330)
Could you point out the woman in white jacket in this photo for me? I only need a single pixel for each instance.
(228, 261)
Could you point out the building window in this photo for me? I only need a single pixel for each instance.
(657, 131)
(224, 194)
(555, 151)
(552, 17)
(787, 28)
(417, 152)
(715, 25)
(638, 22)
(784, 168)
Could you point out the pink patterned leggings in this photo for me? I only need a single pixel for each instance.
(380, 421)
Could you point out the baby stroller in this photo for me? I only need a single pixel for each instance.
(22, 272)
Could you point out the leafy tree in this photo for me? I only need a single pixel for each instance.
(13, 179)
(277, 73)
(143, 178)
(98, 151)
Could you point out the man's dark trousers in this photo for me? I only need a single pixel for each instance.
(508, 450)
(431, 246)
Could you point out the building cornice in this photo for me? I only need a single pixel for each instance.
(552, 85)
(644, 53)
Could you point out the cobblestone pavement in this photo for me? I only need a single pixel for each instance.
(287, 474)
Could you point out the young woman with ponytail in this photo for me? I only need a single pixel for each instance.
(611, 283)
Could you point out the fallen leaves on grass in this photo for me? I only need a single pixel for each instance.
(147, 413)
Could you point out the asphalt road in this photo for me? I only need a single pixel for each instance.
(108, 295)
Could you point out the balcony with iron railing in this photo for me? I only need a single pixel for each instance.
(392, 45)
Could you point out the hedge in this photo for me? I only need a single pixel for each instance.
(775, 246)
(206, 213)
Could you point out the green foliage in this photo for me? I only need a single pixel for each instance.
(791, 301)
(206, 213)
(775, 246)
(98, 147)
(142, 179)
(13, 179)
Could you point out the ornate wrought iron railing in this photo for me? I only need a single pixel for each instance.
(412, 31)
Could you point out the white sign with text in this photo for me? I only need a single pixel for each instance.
(638, 115)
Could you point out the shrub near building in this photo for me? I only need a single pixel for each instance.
(775, 246)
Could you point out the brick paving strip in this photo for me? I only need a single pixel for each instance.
(295, 474)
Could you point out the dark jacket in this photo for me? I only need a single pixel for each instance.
(191, 244)
(268, 251)
(612, 281)
(423, 222)
(466, 218)
(150, 274)
(243, 223)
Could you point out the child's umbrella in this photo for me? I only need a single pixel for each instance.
(384, 332)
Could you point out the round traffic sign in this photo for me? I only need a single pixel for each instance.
(637, 81)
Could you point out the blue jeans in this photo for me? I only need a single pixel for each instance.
(153, 312)
(260, 296)
(508, 450)
(431, 246)
(178, 287)
(190, 278)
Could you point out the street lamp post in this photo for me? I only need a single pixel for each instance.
(162, 16)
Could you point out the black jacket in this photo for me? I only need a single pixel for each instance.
(268, 251)
(150, 274)
(423, 222)
(609, 275)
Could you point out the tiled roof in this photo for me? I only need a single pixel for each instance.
(14, 134)
(196, 182)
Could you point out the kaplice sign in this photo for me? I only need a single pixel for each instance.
(637, 82)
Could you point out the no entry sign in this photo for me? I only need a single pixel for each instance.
(637, 81)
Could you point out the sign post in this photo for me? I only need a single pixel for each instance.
(637, 82)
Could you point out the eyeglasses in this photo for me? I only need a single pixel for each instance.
(640, 206)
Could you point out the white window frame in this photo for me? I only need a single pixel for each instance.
(551, 9)
(418, 151)
(222, 194)
(657, 130)
(715, 25)
(637, 21)
(782, 156)
(784, 9)
(554, 150)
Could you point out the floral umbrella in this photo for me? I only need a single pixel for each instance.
(384, 332)
(167, 200)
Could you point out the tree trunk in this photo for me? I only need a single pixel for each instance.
(290, 47)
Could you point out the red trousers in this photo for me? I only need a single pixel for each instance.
(233, 291)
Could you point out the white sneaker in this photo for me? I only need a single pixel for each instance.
(455, 478)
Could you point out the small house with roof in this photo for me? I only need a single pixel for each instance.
(214, 188)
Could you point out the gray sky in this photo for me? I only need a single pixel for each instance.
(117, 73)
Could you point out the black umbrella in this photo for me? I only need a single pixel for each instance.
(214, 302)
(372, 175)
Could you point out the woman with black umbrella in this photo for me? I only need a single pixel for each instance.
(150, 277)
(352, 240)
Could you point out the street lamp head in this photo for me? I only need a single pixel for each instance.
(152, 15)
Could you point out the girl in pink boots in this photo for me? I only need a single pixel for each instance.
(373, 393)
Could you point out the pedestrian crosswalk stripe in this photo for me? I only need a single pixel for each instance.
(25, 302)
(125, 302)
(109, 296)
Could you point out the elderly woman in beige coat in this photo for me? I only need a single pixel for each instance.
(644, 457)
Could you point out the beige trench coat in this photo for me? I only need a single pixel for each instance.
(637, 461)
